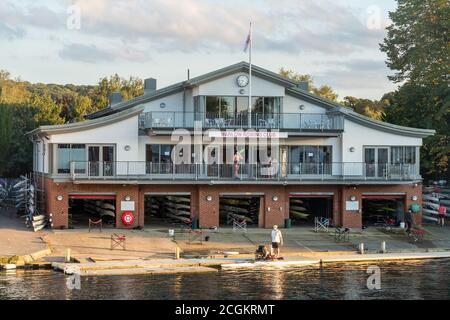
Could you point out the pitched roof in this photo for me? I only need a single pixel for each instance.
(291, 88)
(87, 124)
(178, 87)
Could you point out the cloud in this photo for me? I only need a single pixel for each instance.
(363, 77)
(287, 26)
(20, 17)
(10, 33)
(90, 53)
(190, 25)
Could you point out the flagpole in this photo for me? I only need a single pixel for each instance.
(250, 79)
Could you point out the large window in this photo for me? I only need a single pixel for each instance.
(220, 107)
(224, 106)
(71, 152)
(159, 159)
(310, 159)
(403, 155)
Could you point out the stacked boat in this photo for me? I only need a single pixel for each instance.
(100, 208)
(297, 211)
(173, 208)
(24, 197)
(6, 191)
(240, 209)
(433, 197)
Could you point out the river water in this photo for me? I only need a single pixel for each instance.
(400, 280)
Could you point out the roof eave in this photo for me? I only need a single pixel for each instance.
(87, 124)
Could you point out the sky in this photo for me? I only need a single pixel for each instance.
(80, 41)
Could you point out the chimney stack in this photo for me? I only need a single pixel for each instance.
(149, 85)
(303, 85)
(114, 98)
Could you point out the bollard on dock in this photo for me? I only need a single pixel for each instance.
(383, 247)
(68, 258)
(361, 248)
(177, 252)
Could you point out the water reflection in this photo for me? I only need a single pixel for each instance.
(405, 280)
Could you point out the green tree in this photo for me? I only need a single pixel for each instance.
(82, 105)
(6, 135)
(47, 110)
(369, 108)
(423, 107)
(417, 42)
(324, 91)
(418, 49)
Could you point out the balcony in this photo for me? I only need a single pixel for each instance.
(288, 121)
(336, 171)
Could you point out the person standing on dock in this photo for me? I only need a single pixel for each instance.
(408, 220)
(277, 240)
(442, 211)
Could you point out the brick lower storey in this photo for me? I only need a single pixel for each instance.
(205, 199)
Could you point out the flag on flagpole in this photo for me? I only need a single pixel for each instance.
(248, 40)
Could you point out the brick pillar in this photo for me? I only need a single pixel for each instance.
(195, 214)
(58, 208)
(141, 212)
(336, 214)
(414, 191)
(351, 219)
(274, 212)
(208, 211)
(133, 192)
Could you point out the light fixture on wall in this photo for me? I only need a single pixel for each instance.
(127, 148)
(275, 198)
(414, 198)
(208, 198)
(162, 105)
(59, 197)
(352, 149)
(242, 91)
(352, 198)
(301, 107)
(127, 198)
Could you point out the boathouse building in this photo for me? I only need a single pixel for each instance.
(321, 159)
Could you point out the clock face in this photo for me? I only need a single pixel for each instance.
(242, 80)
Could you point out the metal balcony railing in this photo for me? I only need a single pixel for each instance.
(142, 170)
(290, 121)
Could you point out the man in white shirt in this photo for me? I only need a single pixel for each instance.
(277, 240)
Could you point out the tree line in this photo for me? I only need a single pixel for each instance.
(24, 106)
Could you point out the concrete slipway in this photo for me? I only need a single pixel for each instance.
(168, 266)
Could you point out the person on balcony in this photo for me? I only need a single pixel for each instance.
(236, 160)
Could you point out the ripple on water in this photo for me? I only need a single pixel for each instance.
(400, 280)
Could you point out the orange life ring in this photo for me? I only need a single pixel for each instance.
(127, 218)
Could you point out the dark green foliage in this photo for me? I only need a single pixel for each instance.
(418, 49)
(24, 106)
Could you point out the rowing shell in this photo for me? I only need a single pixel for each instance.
(430, 218)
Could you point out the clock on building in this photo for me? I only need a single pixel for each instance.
(242, 80)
